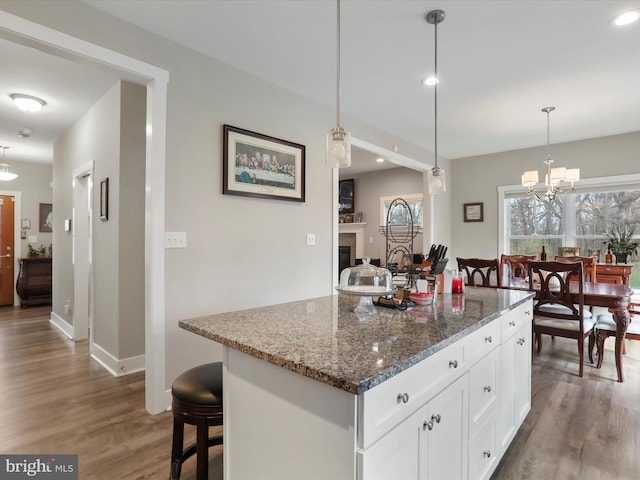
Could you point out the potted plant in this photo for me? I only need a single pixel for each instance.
(621, 242)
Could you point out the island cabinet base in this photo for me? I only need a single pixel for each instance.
(450, 416)
(282, 425)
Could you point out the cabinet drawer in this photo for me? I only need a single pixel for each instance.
(483, 341)
(482, 451)
(387, 404)
(483, 389)
(514, 319)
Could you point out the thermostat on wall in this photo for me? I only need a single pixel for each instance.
(67, 224)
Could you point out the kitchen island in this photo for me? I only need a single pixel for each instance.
(314, 391)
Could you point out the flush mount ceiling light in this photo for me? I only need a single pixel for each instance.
(380, 160)
(435, 176)
(626, 18)
(429, 81)
(27, 103)
(554, 176)
(338, 140)
(5, 175)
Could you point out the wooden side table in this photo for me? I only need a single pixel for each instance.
(34, 281)
(617, 273)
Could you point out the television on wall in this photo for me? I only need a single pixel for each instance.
(345, 196)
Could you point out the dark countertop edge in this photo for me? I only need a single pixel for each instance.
(346, 385)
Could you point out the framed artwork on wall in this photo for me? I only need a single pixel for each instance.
(257, 165)
(46, 217)
(474, 212)
(345, 196)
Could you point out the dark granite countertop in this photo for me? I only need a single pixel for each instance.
(322, 338)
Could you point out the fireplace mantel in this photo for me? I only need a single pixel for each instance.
(358, 229)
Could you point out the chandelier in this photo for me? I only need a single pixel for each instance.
(554, 177)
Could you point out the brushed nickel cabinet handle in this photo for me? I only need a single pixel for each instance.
(486, 453)
(427, 425)
(488, 339)
(453, 363)
(403, 397)
(487, 389)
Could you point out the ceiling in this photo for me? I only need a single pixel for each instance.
(499, 62)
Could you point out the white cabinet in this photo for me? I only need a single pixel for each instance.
(515, 375)
(429, 444)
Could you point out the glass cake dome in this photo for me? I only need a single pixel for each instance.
(367, 281)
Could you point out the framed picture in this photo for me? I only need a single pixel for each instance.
(256, 165)
(359, 217)
(104, 199)
(25, 224)
(474, 212)
(345, 196)
(46, 217)
(348, 218)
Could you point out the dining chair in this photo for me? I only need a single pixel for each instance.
(554, 311)
(606, 327)
(515, 266)
(589, 264)
(480, 272)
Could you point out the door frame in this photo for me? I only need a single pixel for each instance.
(20, 30)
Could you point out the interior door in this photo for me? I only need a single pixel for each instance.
(6, 249)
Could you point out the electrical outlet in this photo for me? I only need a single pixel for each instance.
(311, 239)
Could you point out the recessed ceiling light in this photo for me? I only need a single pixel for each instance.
(379, 159)
(27, 103)
(429, 81)
(626, 18)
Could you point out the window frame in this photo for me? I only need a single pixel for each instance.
(410, 198)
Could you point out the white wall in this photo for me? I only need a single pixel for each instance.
(241, 252)
(476, 179)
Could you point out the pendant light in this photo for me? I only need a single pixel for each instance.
(436, 176)
(338, 140)
(5, 174)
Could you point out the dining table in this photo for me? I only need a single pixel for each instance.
(614, 297)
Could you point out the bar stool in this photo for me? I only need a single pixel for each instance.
(197, 400)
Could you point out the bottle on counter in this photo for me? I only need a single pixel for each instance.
(543, 255)
(608, 258)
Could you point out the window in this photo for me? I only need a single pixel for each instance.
(578, 219)
(399, 216)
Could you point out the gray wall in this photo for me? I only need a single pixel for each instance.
(111, 134)
(476, 179)
(242, 252)
(368, 188)
(34, 182)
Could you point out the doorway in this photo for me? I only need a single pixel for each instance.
(23, 31)
(81, 256)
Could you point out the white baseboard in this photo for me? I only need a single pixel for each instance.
(62, 325)
(117, 367)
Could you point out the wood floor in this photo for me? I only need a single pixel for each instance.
(55, 399)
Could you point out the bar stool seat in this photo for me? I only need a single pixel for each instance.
(197, 400)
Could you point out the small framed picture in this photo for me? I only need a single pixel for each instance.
(26, 224)
(348, 218)
(359, 217)
(46, 217)
(474, 212)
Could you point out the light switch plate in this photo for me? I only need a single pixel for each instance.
(175, 239)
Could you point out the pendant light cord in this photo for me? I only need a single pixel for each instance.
(338, 67)
(435, 96)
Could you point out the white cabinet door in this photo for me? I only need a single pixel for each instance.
(522, 354)
(396, 455)
(446, 430)
(514, 384)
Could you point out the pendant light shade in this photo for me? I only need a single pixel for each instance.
(436, 176)
(338, 140)
(5, 174)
